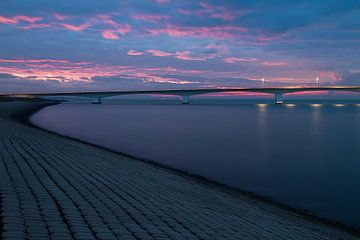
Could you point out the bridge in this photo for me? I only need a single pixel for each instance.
(278, 92)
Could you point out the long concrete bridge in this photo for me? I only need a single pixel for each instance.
(186, 93)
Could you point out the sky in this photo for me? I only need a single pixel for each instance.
(67, 45)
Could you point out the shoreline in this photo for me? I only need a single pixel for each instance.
(23, 116)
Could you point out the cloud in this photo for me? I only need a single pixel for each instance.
(274, 63)
(210, 11)
(60, 21)
(23, 22)
(5, 20)
(109, 34)
(2, 60)
(60, 17)
(237, 59)
(76, 28)
(160, 79)
(134, 53)
(17, 19)
(226, 31)
(123, 28)
(35, 25)
(182, 55)
(187, 55)
(158, 53)
(116, 28)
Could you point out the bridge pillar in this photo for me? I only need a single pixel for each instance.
(97, 101)
(278, 98)
(185, 99)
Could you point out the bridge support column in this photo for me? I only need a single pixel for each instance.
(278, 98)
(97, 101)
(185, 99)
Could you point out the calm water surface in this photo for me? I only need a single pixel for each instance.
(304, 155)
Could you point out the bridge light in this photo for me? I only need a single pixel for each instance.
(316, 105)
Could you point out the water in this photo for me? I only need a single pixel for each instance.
(304, 155)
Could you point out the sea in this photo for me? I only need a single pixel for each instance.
(304, 153)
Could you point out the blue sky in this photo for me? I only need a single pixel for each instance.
(160, 44)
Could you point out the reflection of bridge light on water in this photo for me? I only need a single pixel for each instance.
(262, 106)
(316, 105)
(339, 105)
(290, 105)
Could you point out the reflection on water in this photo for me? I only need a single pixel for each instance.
(290, 105)
(304, 155)
(339, 105)
(316, 105)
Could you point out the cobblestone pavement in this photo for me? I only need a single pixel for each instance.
(55, 188)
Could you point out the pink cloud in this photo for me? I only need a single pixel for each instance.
(158, 53)
(123, 28)
(2, 60)
(6, 20)
(187, 55)
(226, 31)
(236, 59)
(210, 11)
(270, 63)
(18, 18)
(145, 77)
(224, 15)
(28, 19)
(268, 38)
(107, 19)
(150, 17)
(119, 28)
(67, 71)
(35, 25)
(60, 16)
(134, 53)
(263, 39)
(76, 28)
(183, 55)
(109, 34)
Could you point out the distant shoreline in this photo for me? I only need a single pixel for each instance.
(23, 116)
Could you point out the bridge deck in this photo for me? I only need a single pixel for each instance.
(189, 92)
